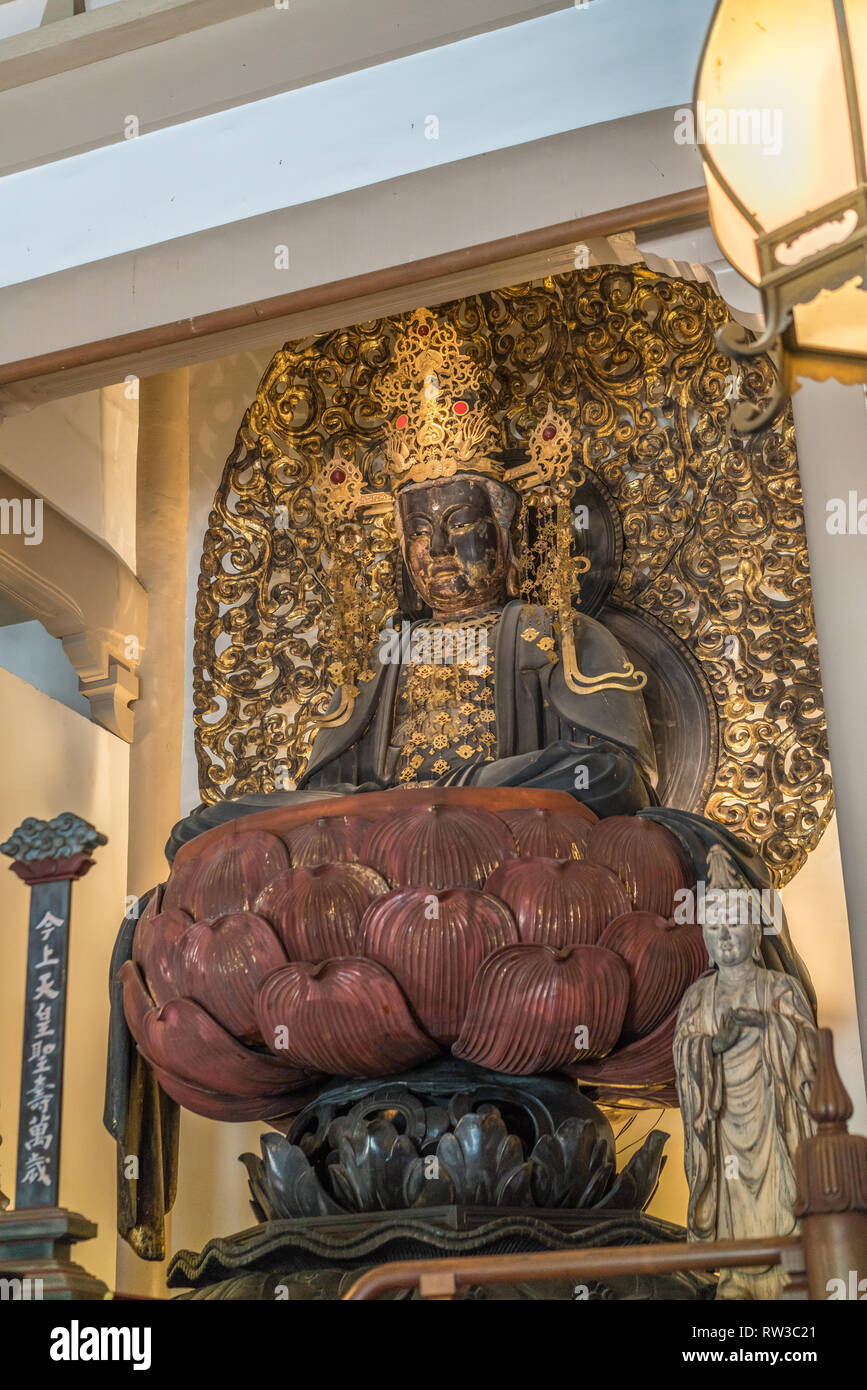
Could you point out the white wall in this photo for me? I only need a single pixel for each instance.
(28, 651)
(79, 453)
(815, 904)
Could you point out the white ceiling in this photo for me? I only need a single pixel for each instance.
(563, 71)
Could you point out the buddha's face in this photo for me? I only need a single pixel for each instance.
(454, 547)
(729, 943)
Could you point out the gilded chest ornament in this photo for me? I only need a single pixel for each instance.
(444, 712)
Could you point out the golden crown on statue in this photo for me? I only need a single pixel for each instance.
(436, 394)
(442, 423)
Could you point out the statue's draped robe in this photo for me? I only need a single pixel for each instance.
(747, 1104)
(143, 1120)
(544, 730)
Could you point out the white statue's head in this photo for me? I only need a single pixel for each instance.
(731, 943)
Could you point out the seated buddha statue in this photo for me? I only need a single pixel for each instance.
(477, 694)
(478, 686)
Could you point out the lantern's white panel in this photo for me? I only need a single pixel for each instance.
(835, 321)
(774, 112)
(733, 232)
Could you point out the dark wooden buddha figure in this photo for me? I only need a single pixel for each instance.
(476, 694)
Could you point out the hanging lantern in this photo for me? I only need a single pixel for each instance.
(779, 109)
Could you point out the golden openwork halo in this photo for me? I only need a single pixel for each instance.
(714, 549)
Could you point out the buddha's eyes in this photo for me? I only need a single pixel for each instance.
(458, 523)
(463, 520)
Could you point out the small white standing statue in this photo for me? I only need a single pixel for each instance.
(745, 1057)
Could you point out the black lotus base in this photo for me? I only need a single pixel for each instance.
(446, 1160)
(319, 1258)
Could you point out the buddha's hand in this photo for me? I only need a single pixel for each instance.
(750, 1018)
(728, 1034)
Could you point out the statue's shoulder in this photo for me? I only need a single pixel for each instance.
(596, 647)
(787, 993)
(694, 1000)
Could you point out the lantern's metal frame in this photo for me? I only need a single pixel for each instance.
(785, 286)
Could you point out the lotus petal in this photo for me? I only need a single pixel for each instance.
(178, 890)
(644, 1068)
(215, 1106)
(285, 1183)
(233, 870)
(183, 1039)
(155, 950)
(645, 856)
(543, 834)
(327, 840)
(481, 1157)
(663, 959)
(440, 845)
(317, 912)
(559, 902)
(346, 1016)
(433, 942)
(636, 1183)
(223, 960)
(528, 1004)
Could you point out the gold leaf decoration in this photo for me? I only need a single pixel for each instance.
(714, 543)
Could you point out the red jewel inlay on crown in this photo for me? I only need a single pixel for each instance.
(460, 407)
(423, 330)
(548, 432)
(401, 422)
(337, 476)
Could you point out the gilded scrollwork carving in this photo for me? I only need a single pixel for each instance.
(713, 536)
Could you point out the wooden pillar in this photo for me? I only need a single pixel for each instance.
(831, 1171)
(162, 509)
(162, 512)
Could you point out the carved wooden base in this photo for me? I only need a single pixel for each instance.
(320, 1258)
(34, 1246)
(449, 1159)
(448, 1134)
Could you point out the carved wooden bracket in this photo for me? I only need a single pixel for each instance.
(83, 593)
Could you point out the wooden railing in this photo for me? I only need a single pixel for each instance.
(831, 1169)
